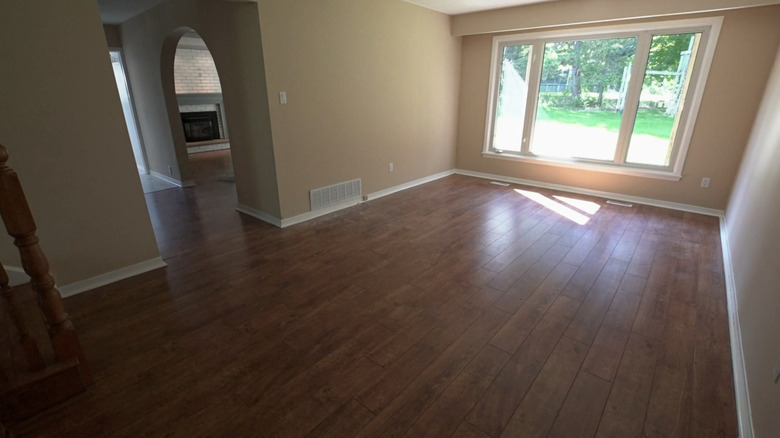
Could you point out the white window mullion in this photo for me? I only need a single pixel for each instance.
(534, 79)
(632, 96)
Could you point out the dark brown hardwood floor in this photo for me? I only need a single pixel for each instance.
(457, 308)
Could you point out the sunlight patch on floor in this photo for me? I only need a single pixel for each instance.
(567, 212)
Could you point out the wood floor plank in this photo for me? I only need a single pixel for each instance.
(605, 353)
(511, 253)
(509, 275)
(419, 356)
(401, 413)
(539, 408)
(651, 316)
(590, 268)
(346, 421)
(523, 321)
(436, 311)
(466, 430)
(581, 411)
(582, 248)
(644, 253)
(624, 414)
(449, 410)
(526, 283)
(591, 313)
(713, 405)
(670, 408)
(494, 410)
(624, 305)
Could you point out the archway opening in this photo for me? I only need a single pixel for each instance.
(202, 111)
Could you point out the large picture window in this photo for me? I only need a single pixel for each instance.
(620, 99)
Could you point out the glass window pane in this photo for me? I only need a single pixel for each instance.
(581, 97)
(664, 89)
(512, 95)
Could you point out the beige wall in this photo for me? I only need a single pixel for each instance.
(739, 71)
(754, 235)
(568, 12)
(368, 83)
(113, 35)
(62, 122)
(231, 31)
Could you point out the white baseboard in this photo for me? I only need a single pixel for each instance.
(110, 277)
(257, 214)
(409, 185)
(353, 202)
(16, 275)
(174, 181)
(319, 212)
(741, 392)
(599, 193)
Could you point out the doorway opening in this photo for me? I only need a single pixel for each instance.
(202, 111)
(118, 65)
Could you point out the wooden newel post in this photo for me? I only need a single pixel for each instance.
(20, 225)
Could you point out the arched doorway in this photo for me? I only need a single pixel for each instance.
(198, 119)
(202, 111)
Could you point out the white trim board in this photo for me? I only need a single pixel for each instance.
(370, 197)
(409, 185)
(16, 275)
(111, 277)
(174, 181)
(284, 223)
(305, 217)
(257, 214)
(599, 193)
(741, 392)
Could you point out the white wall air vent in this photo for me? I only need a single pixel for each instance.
(337, 193)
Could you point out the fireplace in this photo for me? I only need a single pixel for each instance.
(200, 126)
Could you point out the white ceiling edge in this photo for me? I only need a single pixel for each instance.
(118, 11)
(457, 7)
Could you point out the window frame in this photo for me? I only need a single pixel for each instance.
(709, 27)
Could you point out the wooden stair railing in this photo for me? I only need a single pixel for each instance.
(40, 385)
(26, 340)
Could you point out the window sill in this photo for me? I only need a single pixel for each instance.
(593, 167)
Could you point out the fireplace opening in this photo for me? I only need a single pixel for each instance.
(200, 126)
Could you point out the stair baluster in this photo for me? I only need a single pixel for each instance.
(20, 225)
(29, 346)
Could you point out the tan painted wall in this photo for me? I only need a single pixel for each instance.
(61, 120)
(368, 83)
(113, 35)
(231, 31)
(568, 12)
(739, 71)
(754, 235)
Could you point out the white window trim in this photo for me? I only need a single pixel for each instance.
(685, 132)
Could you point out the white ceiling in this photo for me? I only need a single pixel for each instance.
(119, 11)
(455, 7)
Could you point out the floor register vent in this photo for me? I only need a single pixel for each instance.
(337, 193)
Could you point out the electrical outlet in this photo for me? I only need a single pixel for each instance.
(283, 97)
(390, 167)
(705, 182)
(776, 371)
